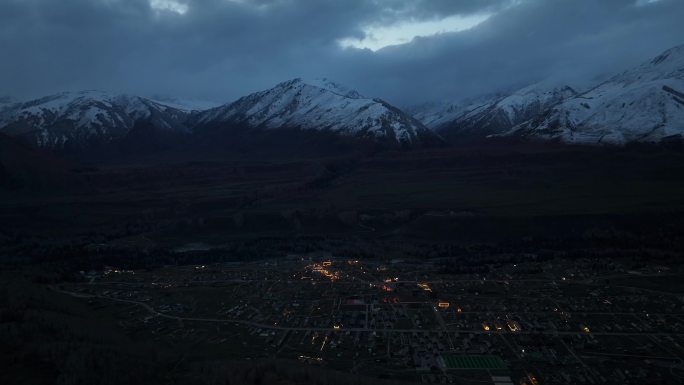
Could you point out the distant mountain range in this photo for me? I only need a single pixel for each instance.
(644, 104)
(74, 119)
(79, 119)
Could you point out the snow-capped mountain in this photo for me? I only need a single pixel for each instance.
(495, 113)
(436, 115)
(516, 108)
(322, 105)
(643, 104)
(75, 118)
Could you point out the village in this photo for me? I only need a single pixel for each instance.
(556, 322)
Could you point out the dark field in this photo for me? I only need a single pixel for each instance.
(487, 194)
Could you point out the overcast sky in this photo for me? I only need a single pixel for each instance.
(405, 51)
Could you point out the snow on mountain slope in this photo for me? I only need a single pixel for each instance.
(514, 109)
(331, 86)
(434, 114)
(72, 118)
(642, 104)
(439, 114)
(321, 105)
(187, 105)
(495, 113)
(532, 100)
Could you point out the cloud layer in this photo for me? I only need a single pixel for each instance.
(223, 49)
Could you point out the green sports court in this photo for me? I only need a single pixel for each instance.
(457, 361)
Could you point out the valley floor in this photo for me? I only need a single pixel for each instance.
(557, 263)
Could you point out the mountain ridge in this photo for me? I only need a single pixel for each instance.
(75, 119)
(322, 106)
(642, 104)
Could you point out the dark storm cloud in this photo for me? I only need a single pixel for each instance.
(222, 49)
(576, 41)
(436, 8)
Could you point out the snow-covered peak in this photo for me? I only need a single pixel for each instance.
(317, 85)
(332, 86)
(667, 65)
(673, 56)
(322, 105)
(76, 103)
(68, 117)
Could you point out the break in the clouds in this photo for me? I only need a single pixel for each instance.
(404, 31)
(406, 51)
(169, 5)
